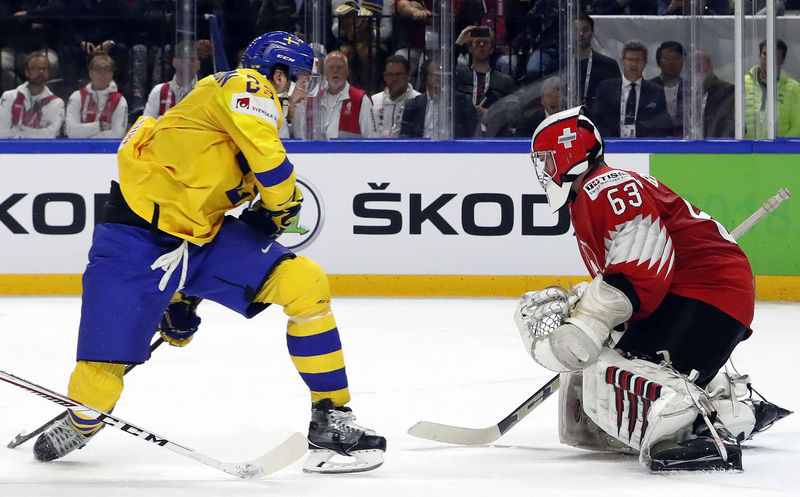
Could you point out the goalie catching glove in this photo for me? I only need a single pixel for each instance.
(180, 320)
(563, 335)
(274, 222)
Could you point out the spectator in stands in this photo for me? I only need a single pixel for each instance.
(356, 30)
(755, 97)
(684, 7)
(387, 106)
(486, 85)
(164, 96)
(525, 118)
(670, 57)
(32, 110)
(594, 66)
(410, 21)
(421, 114)
(346, 109)
(717, 100)
(630, 107)
(22, 35)
(542, 35)
(382, 10)
(628, 7)
(97, 110)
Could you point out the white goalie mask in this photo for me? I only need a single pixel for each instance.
(561, 148)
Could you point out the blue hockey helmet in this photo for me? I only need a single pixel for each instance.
(279, 48)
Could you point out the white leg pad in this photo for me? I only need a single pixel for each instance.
(638, 402)
(574, 426)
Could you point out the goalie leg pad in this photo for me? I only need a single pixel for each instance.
(575, 428)
(638, 402)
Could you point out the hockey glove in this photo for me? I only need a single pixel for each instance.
(274, 223)
(180, 320)
(576, 344)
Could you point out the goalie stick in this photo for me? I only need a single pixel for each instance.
(23, 437)
(481, 436)
(289, 451)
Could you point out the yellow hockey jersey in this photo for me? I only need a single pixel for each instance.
(207, 155)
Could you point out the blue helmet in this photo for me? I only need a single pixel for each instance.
(279, 48)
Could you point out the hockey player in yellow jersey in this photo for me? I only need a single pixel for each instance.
(167, 232)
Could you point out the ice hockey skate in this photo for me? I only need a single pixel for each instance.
(333, 434)
(766, 414)
(696, 454)
(59, 440)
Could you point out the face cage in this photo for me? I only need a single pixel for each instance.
(540, 161)
(314, 78)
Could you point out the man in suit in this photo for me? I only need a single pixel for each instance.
(669, 58)
(630, 107)
(421, 114)
(718, 99)
(594, 66)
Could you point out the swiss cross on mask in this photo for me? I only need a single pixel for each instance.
(567, 138)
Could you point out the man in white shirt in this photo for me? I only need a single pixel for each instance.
(31, 110)
(387, 106)
(97, 110)
(164, 96)
(346, 111)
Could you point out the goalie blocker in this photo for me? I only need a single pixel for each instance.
(676, 290)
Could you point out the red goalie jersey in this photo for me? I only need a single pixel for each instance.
(630, 224)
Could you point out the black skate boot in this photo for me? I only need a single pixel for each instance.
(59, 440)
(332, 432)
(766, 413)
(697, 454)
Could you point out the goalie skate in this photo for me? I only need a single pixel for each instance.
(338, 445)
(59, 440)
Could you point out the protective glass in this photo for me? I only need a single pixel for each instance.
(544, 162)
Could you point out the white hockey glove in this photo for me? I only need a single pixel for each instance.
(540, 312)
(576, 343)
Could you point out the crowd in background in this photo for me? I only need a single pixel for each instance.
(88, 68)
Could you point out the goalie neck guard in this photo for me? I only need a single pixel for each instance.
(279, 48)
(562, 147)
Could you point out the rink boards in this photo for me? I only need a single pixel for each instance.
(388, 219)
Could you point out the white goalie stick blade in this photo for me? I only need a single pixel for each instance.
(289, 451)
(481, 436)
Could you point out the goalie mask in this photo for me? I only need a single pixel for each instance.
(561, 149)
(287, 52)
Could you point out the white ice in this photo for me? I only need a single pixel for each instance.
(233, 393)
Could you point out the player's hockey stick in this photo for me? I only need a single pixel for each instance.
(482, 436)
(23, 437)
(770, 205)
(281, 456)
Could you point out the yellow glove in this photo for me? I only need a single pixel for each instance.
(180, 320)
(274, 223)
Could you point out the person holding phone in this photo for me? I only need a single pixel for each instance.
(485, 84)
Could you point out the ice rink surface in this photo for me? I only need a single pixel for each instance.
(233, 394)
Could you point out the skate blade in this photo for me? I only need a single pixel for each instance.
(321, 461)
